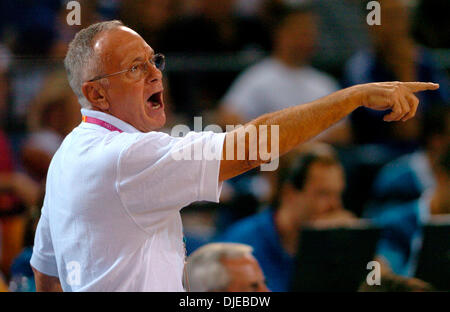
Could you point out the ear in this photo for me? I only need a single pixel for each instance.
(95, 94)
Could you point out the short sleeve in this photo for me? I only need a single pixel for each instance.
(43, 258)
(159, 174)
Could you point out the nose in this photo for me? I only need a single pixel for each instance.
(153, 74)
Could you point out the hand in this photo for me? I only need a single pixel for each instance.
(335, 219)
(397, 96)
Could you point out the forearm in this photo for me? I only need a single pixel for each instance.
(296, 125)
(301, 123)
(46, 283)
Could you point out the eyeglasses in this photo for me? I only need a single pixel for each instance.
(139, 71)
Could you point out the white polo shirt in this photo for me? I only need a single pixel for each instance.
(111, 214)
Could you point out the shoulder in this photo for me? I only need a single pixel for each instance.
(400, 176)
(160, 150)
(398, 214)
(398, 166)
(90, 150)
(160, 142)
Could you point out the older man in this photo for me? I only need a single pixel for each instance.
(224, 267)
(110, 219)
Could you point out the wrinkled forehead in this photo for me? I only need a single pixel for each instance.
(121, 45)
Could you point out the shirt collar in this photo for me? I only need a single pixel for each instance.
(116, 122)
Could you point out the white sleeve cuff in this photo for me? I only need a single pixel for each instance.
(210, 187)
(42, 265)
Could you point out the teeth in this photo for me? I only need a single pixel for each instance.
(156, 106)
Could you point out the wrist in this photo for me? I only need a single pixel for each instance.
(349, 98)
(356, 96)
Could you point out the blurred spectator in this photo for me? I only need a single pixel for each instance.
(246, 194)
(17, 191)
(401, 239)
(30, 33)
(343, 31)
(395, 283)
(32, 25)
(199, 224)
(38, 42)
(407, 177)
(26, 78)
(21, 273)
(224, 267)
(310, 194)
(214, 28)
(53, 114)
(148, 18)
(285, 78)
(10, 208)
(212, 35)
(394, 56)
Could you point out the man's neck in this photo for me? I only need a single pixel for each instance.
(287, 229)
(94, 108)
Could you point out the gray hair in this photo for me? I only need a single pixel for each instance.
(205, 270)
(81, 61)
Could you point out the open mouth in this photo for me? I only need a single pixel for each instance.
(155, 100)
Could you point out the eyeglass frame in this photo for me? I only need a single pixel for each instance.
(129, 69)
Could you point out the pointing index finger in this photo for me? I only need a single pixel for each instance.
(420, 86)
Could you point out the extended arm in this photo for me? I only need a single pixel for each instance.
(302, 122)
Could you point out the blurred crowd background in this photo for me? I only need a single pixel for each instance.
(230, 61)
